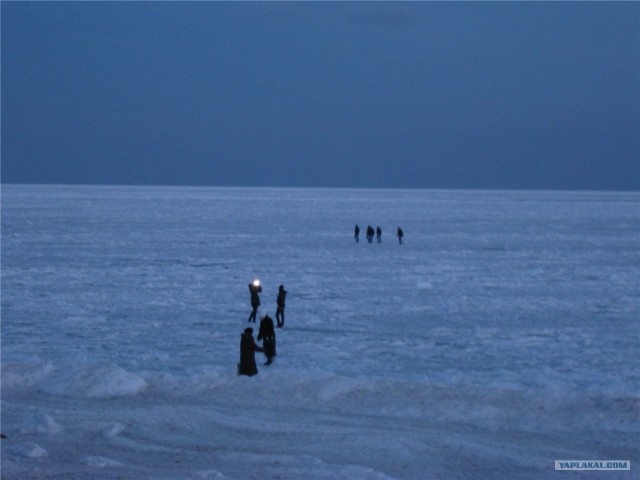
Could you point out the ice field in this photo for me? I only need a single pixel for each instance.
(502, 336)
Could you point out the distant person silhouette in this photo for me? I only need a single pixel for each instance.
(379, 234)
(280, 301)
(370, 232)
(268, 336)
(356, 233)
(400, 234)
(254, 288)
(248, 348)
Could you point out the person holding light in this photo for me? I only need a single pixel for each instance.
(254, 289)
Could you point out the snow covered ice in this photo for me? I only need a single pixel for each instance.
(501, 337)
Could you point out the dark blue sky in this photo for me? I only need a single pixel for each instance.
(510, 95)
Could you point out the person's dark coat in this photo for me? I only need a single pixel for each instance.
(248, 347)
(268, 336)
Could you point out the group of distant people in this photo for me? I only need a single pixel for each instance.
(266, 332)
(377, 232)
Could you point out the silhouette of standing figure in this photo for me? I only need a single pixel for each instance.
(268, 336)
(254, 288)
(370, 233)
(248, 349)
(379, 234)
(280, 301)
(400, 234)
(356, 233)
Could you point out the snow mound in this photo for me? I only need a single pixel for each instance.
(29, 450)
(102, 462)
(93, 382)
(40, 423)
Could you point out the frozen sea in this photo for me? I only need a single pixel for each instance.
(502, 336)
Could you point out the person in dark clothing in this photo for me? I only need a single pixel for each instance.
(379, 234)
(248, 347)
(268, 336)
(400, 234)
(370, 233)
(280, 301)
(356, 233)
(254, 288)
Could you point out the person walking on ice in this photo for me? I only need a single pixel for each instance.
(400, 234)
(370, 232)
(280, 301)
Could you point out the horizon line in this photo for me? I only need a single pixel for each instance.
(266, 187)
